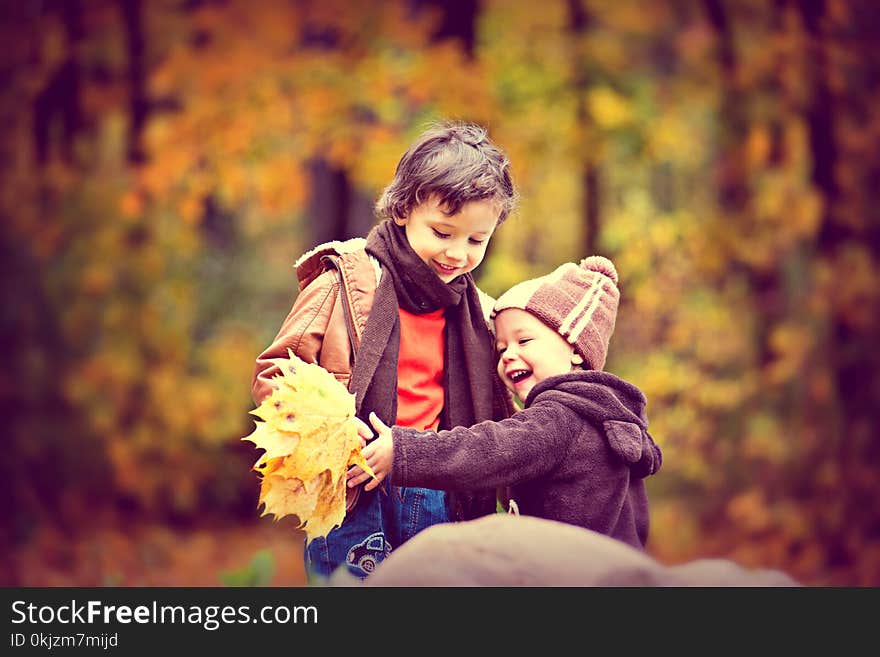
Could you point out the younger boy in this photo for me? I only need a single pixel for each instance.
(579, 451)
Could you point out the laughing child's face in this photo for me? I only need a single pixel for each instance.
(529, 351)
(451, 244)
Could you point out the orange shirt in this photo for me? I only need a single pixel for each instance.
(420, 370)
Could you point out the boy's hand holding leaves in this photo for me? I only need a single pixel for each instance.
(379, 455)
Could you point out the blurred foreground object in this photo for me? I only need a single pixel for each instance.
(508, 550)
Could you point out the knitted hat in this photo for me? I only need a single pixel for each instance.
(577, 301)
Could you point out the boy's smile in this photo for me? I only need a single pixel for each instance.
(451, 244)
(529, 351)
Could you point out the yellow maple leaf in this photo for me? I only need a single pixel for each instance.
(310, 439)
(328, 511)
(287, 496)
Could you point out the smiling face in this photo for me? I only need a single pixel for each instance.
(529, 351)
(451, 244)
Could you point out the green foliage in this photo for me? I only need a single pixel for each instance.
(258, 572)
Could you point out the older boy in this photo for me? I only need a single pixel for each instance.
(399, 319)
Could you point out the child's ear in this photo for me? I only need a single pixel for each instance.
(400, 221)
(577, 359)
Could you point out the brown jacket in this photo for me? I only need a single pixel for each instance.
(323, 325)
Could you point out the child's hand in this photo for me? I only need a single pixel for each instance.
(364, 432)
(379, 455)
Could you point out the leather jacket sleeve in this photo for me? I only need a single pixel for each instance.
(315, 330)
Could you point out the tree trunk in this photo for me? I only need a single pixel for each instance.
(138, 102)
(732, 179)
(578, 24)
(60, 98)
(337, 209)
(458, 21)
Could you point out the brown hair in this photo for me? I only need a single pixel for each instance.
(456, 161)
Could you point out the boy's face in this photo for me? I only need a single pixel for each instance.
(451, 245)
(529, 351)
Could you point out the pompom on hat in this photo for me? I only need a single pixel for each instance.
(577, 301)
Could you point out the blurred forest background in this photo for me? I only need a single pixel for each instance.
(165, 162)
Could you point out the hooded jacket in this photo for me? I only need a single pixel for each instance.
(578, 452)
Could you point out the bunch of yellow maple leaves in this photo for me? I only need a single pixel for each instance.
(309, 434)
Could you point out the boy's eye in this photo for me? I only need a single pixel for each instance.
(523, 341)
(475, 241)
(442, 236)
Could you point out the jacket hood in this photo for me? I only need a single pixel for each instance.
(613, 406)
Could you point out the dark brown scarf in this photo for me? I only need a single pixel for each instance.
(472, 390)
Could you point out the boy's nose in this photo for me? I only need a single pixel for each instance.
(455, 253)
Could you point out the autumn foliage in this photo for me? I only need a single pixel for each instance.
(309, 438)
(165, 163)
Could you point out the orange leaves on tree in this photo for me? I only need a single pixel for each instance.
(309, 434)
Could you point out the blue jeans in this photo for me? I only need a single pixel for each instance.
(379, 522)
